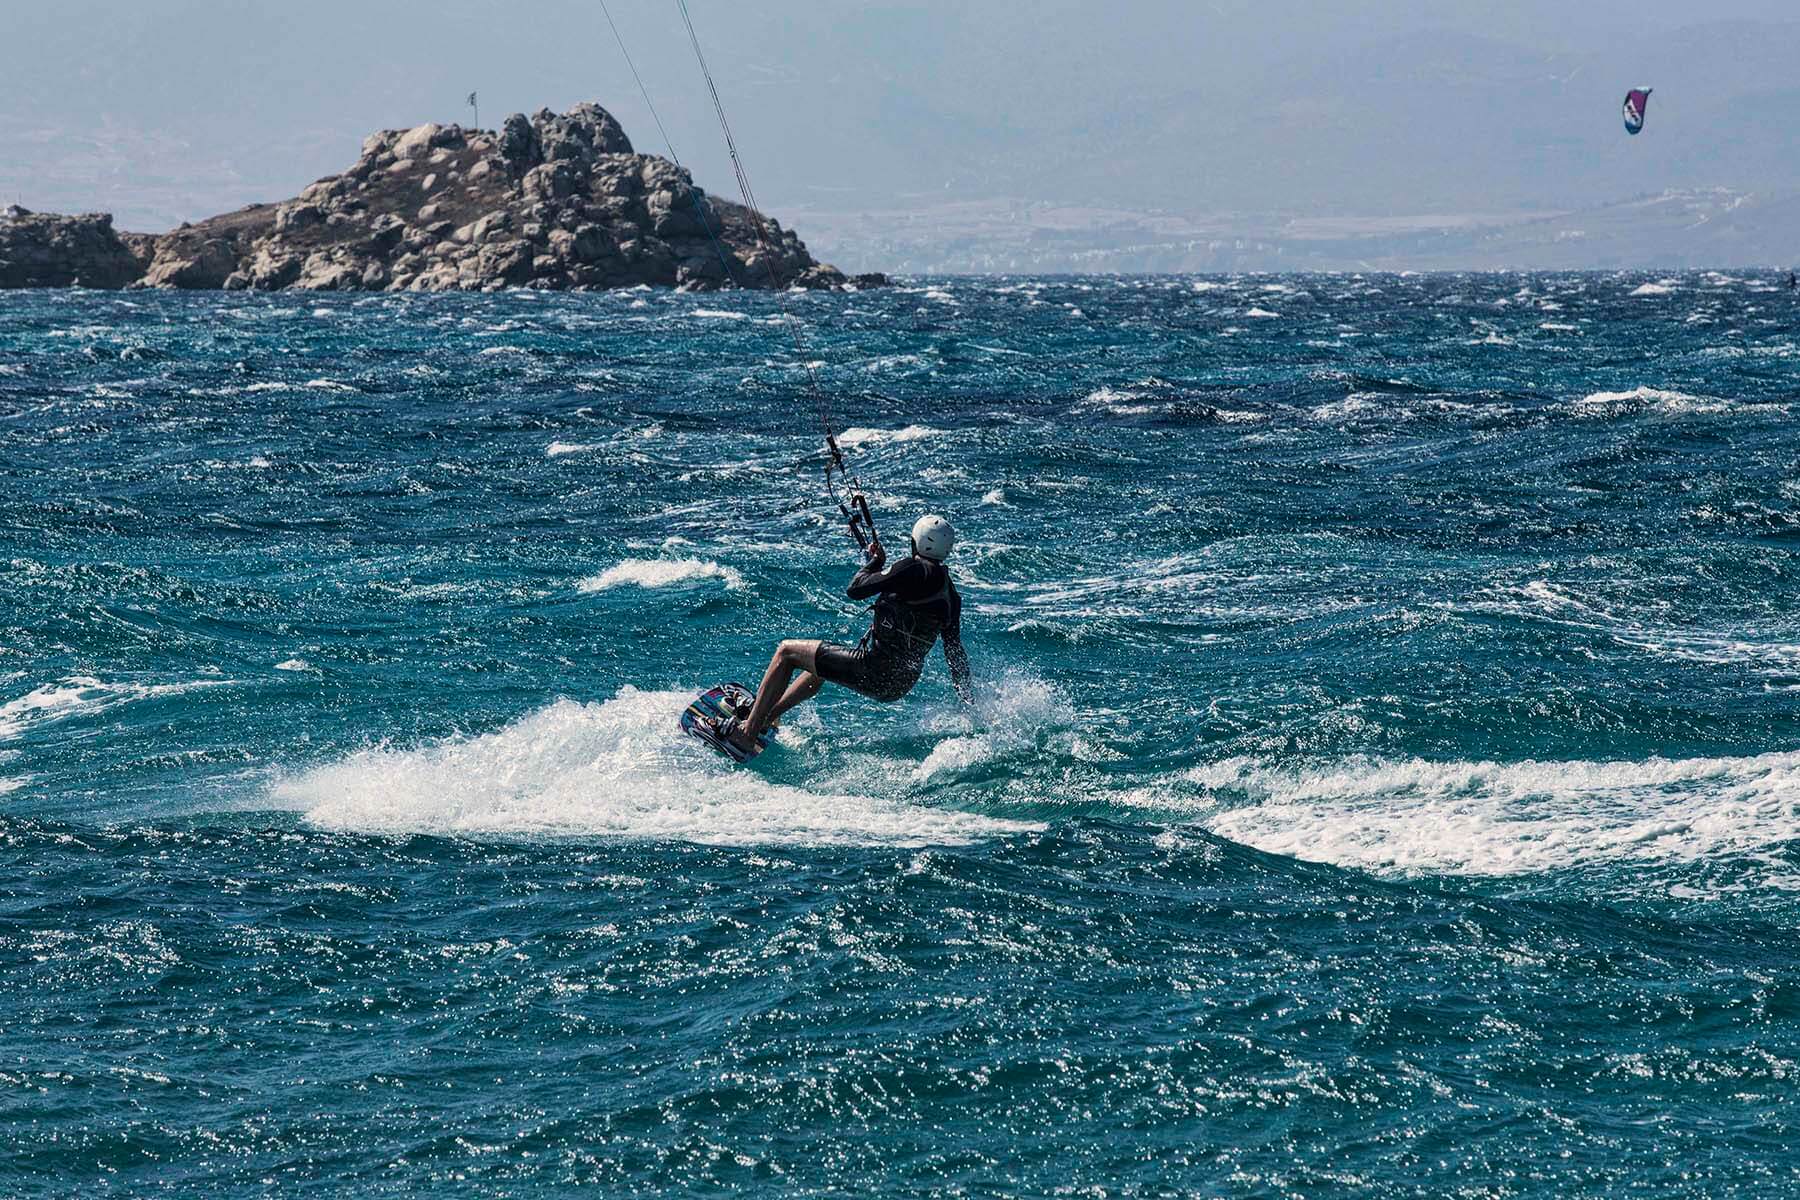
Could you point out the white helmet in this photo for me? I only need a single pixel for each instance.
(932, 537)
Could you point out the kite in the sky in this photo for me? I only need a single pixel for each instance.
(1635, 101)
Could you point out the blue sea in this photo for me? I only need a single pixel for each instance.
(1385, 779)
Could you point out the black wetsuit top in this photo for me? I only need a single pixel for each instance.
(916, 605)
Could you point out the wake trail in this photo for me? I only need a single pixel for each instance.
(619, 768)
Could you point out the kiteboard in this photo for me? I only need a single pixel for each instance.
(712, 710)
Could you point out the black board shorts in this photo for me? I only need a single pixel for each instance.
(878, 676)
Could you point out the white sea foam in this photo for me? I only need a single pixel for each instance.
(81, 696)
(1487, 818)
(1657, 398)
(1109, 395)
(720, 314)
(558, 449)
(1010, 718)
(1355, 404)
(1261, 313)
(1664, 288)
(661, 573)
(493, 350)
(857, 435)
(615, 768)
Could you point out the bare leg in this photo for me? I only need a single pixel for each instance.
(789, 657)
(799, 692)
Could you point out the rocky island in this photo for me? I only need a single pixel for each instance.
(555, 200)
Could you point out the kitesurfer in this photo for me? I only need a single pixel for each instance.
(916, 605)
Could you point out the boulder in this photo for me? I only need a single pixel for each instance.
(385, 232)
(497, 222)
(272, 270)
(417, 141)
(616, 175)
(504, 261)
(443, 278)
(295, 216)
(550, 181)
(48, 250)
(674, 214)
(591, 244)
(519, 146)
(324, 272)
(701, 268)
(579, 134)
(206, 264)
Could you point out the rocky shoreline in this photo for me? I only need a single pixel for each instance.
(555, 200)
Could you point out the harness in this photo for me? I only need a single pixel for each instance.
(908, 624)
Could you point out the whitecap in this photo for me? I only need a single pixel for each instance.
(857, 435)
(83, 695)
(1491, 818)
(1659, 398)
(1355, 404)
(661, 573)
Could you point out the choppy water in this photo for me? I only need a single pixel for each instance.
(1385, 782)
